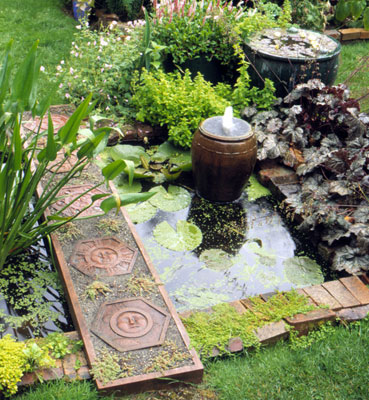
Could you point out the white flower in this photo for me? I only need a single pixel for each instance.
(71, 70)
(67, 95)
(78, 27)
(62, 62)
(102, 70)
(60, 86)
(103, 42)
(77, 54)
(42, 68)
(59, 68)
(84, 80)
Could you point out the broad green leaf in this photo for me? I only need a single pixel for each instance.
(187, 236)
(216, 259)
(128, 198)
(25, 80)
(357, 7)
(90, 145)
(366, 19)
(175, 199)
(141, 212)
(182, 162)
(170, 176)
(165, 151)
(343, 9)
(303, 271)
(17, 143)
(115, 168)
(69, 131)
(5, 72)
(127, 152)
(122, 185)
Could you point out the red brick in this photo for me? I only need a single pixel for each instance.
(82, 358)
(357, 288)
(321, 297)
(353, 314)
(51, 374)
(309, 299)
(279, 174)
(305, 322)
(235, 345)
(364, 34)
(28, 379)
(84, 373)
(271, 333)
(341, 294)
(333, 33)
(215, 352)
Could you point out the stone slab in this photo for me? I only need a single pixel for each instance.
(303, 323)
(321, 297)
(357, 288)
(271, 333)
(279, 174)
(341, 294)
(51, 374)
(353, 314)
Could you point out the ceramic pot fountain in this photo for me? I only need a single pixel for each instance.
(223, 158)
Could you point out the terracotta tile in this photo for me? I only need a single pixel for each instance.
(305, 322)
(28, 379)
(83, 373)
(51, 374)
(310, 300)
(322, 297)
(341, 294)
(271, 333)
(357, 288)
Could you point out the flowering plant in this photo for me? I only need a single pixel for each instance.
(102, 63)
(84, 5)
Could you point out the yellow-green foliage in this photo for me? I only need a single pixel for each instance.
(207, 331)
(12, 364)
(16, 358)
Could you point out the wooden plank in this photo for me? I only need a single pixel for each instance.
(322, 297)
(357, 288)
(341, 294)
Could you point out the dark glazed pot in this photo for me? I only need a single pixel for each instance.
(222, 165)
(287, 72)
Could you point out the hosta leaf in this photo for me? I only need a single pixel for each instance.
(175, 199)
(357, 7)
(141, 212)
(342, 10)
(216, 259)
(340, 187)
(349, 259)
(303, 271)
(187, 236)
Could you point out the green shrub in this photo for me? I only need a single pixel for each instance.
(176, 101)
(125, 9)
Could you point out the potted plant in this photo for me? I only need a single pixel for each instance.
(198, 36)
(81, 8)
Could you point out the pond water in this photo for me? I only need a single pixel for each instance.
(246, 249)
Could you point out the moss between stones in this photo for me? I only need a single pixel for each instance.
(209, 330)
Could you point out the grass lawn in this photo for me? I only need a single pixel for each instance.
(351, 58)
(26, 21)
(334, 366)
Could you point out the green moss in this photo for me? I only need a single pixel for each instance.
(209, 330)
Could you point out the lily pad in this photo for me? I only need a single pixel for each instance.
(303, 271)
(122, 185)
(181, 161)
(164, 152)
(141, 212)
(187, 236)
(175, 199)
(216, 259)
(255, 190)
(128, 152)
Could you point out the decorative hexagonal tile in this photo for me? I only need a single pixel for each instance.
(68, 164)
(131, 324)
(71, 192)
(103, 256)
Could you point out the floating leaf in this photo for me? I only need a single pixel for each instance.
(303, 271)
(181, 161)
(128, 152)
(122, 185)
(216, 259)
(175, 199)
(187, 237)
(255, 190)
(164, 152)
(141, 212)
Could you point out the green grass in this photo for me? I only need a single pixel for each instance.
(335, 368)
(351, 56)
(26, 21)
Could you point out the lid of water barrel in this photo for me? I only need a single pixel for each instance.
(212, 127)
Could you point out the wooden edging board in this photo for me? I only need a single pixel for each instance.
(137, 383)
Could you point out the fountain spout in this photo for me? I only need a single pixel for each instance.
(227, 121)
